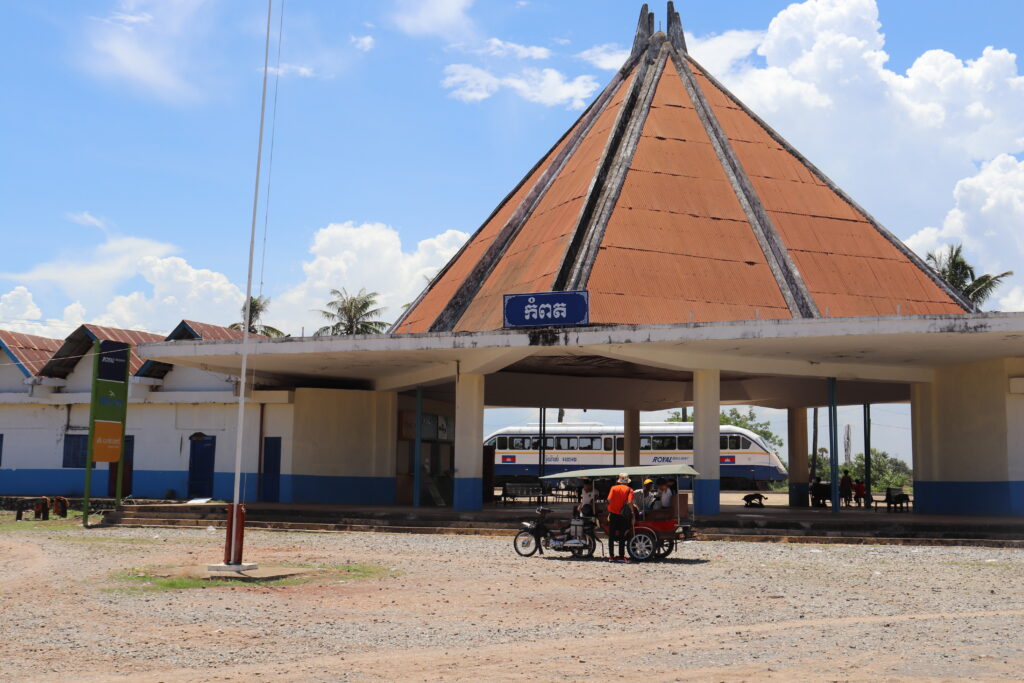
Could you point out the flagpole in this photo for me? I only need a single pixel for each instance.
(233, 528)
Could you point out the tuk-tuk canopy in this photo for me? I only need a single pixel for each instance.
(633, 472)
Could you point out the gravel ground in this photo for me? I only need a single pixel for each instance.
(468, 608)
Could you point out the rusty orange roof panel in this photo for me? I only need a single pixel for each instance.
(28, 351)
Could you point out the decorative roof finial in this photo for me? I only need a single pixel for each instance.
(643, 31)
(675, 28)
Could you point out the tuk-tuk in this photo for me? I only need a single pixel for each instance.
(654, 533)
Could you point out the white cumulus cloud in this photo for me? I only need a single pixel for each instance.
(363, 43)
(610, 56)
(368, 255)
(18, 305)
(495, 47)
(544, 86)
(448, 19)
(300, 70)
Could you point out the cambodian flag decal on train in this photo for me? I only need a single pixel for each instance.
(727, 459)
(508, 459)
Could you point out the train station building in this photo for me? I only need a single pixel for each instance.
(715, 265)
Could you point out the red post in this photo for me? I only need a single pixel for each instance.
(236, 531)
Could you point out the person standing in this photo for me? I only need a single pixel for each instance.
(846, 488)
(588, 496)
(620, 508)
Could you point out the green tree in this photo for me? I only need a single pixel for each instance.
(747, 420)
(258, 305)
(886, 471)
(352, 314)
(952, 267)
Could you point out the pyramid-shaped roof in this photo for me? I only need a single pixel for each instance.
(670, 201)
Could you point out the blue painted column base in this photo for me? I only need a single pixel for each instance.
(468, 493)
(705, 496)
(974, 498)
(799, 494)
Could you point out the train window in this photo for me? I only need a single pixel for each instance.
(744, 443)
(590, 443)
(549, 443)
(663, 443)
(607, 443)
(620, 443)
(520, 443)
(567, 443)
(686, 443)
(723, 442)
(645, 443)
(503, 443)
(734, 442)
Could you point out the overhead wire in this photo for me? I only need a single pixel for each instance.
(270, 156)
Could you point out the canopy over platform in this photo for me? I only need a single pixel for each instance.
(641, 471)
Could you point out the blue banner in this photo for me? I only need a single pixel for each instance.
(547, 309)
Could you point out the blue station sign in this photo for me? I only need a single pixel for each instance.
(547, 309)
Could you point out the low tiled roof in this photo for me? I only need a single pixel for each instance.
(28, 351)
(670, 201)
(79, 343)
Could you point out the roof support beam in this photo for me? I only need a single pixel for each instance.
(794, 290)
(690, 360)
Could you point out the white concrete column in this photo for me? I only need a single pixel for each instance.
(631, 440)
(796, 441)
(469, 438)
(706, 451)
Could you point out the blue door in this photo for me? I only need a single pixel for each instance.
(200, 466)
(270, 478)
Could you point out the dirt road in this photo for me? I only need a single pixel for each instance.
(466, 608)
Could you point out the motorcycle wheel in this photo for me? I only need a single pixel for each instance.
(525, 543)
(642, 545)
(588, 551)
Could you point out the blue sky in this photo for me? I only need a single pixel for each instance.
(130, 131)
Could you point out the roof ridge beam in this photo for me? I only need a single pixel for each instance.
(787, 275)
(957, 296)
(457, 305)
(606, 186)
(644, 30)
(675, 29)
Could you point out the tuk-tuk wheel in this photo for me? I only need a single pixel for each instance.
(642, 545)
(665, 549)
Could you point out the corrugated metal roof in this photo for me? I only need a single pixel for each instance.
(850, 268)
(678, 245)
(533, 257)
(79, 343)
(28, 351)
(206, 331)
(661, 225)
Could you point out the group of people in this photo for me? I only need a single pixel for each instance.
(851, 491)
(623, 503)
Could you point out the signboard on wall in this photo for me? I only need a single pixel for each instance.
(547, 309)
(109, 408)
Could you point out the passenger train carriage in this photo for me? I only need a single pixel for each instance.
(744, 458)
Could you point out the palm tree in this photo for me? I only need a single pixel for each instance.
(352, 314)
(955, 270)
(258, 305)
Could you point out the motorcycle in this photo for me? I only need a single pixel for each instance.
(579, 538)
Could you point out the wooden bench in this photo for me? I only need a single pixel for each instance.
(895, 499)
(512, 491)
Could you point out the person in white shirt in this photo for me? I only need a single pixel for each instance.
(588, 497)
(663, 501)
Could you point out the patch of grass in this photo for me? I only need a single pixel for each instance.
(9, 525)
(139, 580)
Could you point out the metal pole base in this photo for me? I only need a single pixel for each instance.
(237, 568)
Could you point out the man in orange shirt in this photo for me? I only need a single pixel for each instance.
(620, 507)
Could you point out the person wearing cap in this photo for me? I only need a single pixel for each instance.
(643, 498)
(620, 507)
